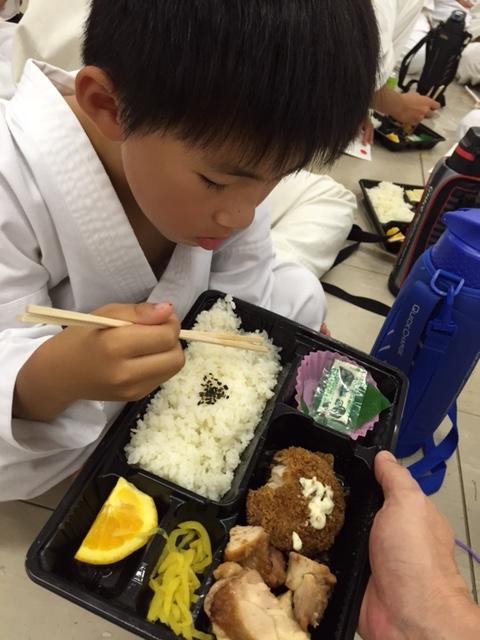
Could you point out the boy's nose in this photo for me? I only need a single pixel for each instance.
(235, 219)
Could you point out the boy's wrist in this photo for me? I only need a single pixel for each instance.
(43, 387)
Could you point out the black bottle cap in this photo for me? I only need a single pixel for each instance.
(471, 141)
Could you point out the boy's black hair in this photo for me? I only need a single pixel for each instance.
(285, 80)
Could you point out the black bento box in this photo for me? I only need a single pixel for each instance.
(428, 138)
(120, 592)
(382, 227)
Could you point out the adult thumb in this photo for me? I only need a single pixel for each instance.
(142, 313)
(392, 477)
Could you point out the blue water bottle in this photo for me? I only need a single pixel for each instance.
(432, 333)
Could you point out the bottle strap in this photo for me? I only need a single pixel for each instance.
(430, 471)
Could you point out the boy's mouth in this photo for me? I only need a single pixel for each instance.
(210, 244)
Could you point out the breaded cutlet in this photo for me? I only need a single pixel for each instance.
(280, 507)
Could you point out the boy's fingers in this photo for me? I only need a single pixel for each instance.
(392, 477)
(144, 313)
(141, 340)
(158, 367)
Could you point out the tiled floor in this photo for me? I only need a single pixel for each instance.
(28, 612)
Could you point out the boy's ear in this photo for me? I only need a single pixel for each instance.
(95, 96)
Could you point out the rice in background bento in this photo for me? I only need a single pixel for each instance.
(389, 204)
(201, 420)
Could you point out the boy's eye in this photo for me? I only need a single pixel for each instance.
(212, 185)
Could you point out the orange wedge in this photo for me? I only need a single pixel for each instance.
(124, 524)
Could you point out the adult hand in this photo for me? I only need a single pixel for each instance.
(415, 591)
(413, 108)
(121, 363)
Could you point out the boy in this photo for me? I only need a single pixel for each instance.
(142, 178)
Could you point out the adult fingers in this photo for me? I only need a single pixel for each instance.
(392, 477)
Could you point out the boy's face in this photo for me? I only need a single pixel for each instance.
(193, 196)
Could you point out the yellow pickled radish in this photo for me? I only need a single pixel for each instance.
(124, 524)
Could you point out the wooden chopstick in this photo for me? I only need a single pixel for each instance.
(49, 315)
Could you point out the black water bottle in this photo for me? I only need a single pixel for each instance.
(443, 47)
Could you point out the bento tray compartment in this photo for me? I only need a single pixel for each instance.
(348, 558)
(283, 335)
(389, 126)
(391, 382)
(381, 227)
(119, 592)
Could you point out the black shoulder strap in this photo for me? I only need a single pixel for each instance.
(375, 306)
(357, 235)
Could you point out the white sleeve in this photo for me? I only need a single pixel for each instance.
(245, 266)
(396, 20)
(311, 218)
(386, 14)
(24, 280)
(469, 68)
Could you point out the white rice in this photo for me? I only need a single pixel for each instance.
(198, 446)
(389, 204)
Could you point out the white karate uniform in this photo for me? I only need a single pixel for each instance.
(469, 67)
(311, 218)
(7, 86)
(472, 119)
(65, 241)
(396, 19)
(434, 12)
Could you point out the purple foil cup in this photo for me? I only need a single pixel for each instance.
(309, 374)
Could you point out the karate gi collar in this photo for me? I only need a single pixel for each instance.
(71, 176)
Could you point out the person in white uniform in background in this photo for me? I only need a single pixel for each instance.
(434, 12)
(396, 19)
(136, 179)
(311, 214)
(469, 68)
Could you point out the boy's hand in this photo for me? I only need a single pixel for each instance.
(122, 363)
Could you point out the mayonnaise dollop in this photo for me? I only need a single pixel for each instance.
(320, 501)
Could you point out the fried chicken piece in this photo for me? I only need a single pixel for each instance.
(281, 508)
(242, 607)
(286, 602)
(311, 584)
(227, 570)
(251, 548)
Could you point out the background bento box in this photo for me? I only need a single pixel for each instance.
(422, 138)
(382, 227)
(120, 592)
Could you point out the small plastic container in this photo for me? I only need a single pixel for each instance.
(120, 592)
(428, 138)
(382, 227)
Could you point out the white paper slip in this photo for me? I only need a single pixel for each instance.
(357, 149)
